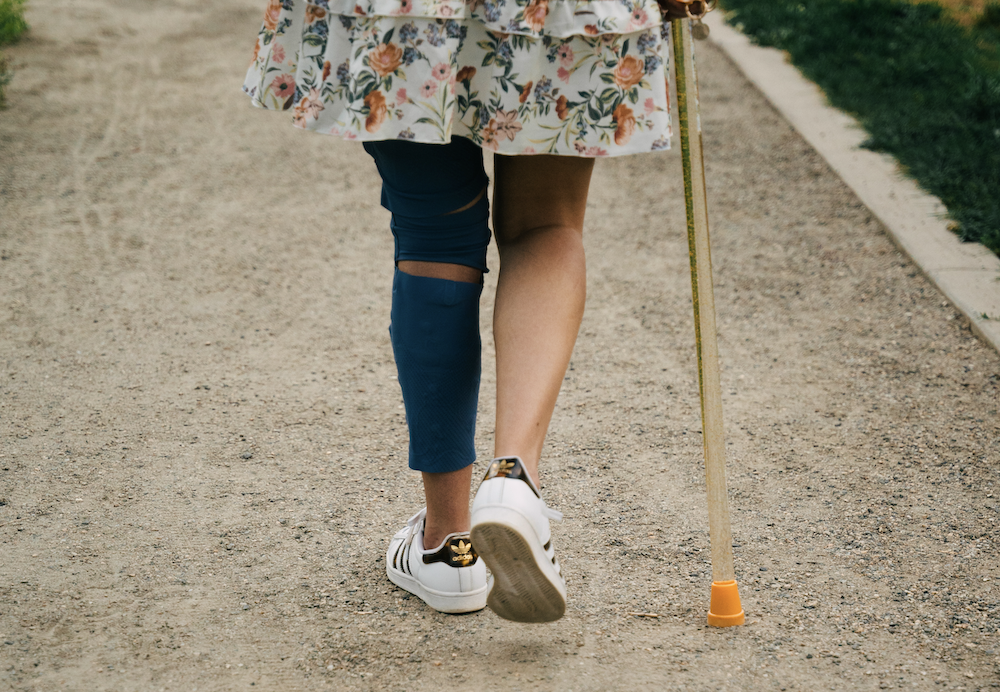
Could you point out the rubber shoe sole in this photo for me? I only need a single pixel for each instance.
(525, 584)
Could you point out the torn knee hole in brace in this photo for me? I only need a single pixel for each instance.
(459, 237)
(468, 206)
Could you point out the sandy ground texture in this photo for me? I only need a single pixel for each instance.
(202, 446)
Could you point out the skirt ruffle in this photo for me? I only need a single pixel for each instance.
(564, 77)
(535, 18)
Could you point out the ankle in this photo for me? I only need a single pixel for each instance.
(434, 534)
(447, 496)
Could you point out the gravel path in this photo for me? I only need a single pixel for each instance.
(202, 445)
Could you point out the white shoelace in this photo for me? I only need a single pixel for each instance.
(413, 525)
(550, 513)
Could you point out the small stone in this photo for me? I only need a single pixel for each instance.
(245, 606)
(246, 455)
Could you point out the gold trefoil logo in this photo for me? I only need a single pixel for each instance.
(461, 552)
(505, 467)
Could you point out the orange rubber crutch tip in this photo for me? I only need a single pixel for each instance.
(725, 609)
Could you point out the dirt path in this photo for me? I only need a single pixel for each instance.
(202, 444)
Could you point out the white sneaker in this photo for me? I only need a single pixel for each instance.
(510, 530)
(450, 578)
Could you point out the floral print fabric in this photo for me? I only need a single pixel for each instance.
(567, 77)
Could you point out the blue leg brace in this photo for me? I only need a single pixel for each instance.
(435, 339)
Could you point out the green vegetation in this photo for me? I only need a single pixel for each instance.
(926, 88)
(12, 26)
(990, 19)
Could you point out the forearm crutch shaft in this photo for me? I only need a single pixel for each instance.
(725, 609)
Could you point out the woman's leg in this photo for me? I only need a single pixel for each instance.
(538, 219)
(538, 211)
(446, 494)
(437, 196)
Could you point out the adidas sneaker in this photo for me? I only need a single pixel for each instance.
(510, 531)
(449, 578)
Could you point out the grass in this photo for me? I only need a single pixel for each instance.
(12, 27)
(922, 79)
(966, 12)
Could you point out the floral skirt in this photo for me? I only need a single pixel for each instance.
(568, 77)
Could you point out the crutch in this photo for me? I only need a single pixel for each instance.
(725, 609)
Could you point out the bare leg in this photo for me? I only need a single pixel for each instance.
(447, 497)
(538, 214)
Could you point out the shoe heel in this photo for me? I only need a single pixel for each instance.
(526, 586)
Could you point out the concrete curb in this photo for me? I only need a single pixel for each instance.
(967, 273)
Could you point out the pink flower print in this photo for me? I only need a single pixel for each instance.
(584, 150)
(490, 140)
(308, 107)
(565, 55)
(400, 97)
(649, 106)
(405, 7)
(428, 89)
(506, 124)
(312, 103)
(441, 72)
(445, 11)
(278, 53)
(638, 19)
(283, 86)
(529, 150)
(563, 74)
